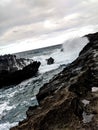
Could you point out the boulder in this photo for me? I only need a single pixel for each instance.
(50, 61)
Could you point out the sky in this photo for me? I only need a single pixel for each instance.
(30, 24)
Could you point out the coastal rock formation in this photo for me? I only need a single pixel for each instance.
(70, 100)
(50, 61)
(13, 70)
(11, 63)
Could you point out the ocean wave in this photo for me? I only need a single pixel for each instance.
(71, 49)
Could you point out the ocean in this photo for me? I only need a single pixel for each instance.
(15, 100)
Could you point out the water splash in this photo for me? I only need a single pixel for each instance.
(72, 47)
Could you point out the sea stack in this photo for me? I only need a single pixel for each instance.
(50, 61)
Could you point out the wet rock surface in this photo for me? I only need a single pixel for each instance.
(67, 102)
(13, 70)
(50, 61)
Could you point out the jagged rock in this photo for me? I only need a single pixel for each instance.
(30, 109)
(10, 63)
(50, 61)
(77, 106)
(60, 100)
(13, 71)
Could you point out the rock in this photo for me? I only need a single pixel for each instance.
(60, 100)
(10, 63)
(14, 71)
(50, 61)
(77, 106)
(62, 50)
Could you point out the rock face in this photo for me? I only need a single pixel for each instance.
(13, 71)
(50, 61)
(67, 101)
(11, 63)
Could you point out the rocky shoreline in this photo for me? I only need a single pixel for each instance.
(70, 100)
(13, 70)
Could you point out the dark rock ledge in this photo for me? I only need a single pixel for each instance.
(63, 101)
(13, 70)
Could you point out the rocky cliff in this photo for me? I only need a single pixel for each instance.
(70, 100)
(13, 70)
(11, 63)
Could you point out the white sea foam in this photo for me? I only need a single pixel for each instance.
(47, 68)
(5, 107)
(11, 94)
(7, 126)
(71, 51)
(33, 98)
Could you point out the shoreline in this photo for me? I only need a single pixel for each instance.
(60, 101)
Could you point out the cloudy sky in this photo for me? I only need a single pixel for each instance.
(38, 23)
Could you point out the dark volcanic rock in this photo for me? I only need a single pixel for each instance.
(60, 100)
(13, 71)
(50, 61)
(10, 63)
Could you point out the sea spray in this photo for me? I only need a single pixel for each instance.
(72, 47)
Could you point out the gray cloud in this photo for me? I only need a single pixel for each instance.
(21, 19)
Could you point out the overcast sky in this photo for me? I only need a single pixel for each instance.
(40, 19)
